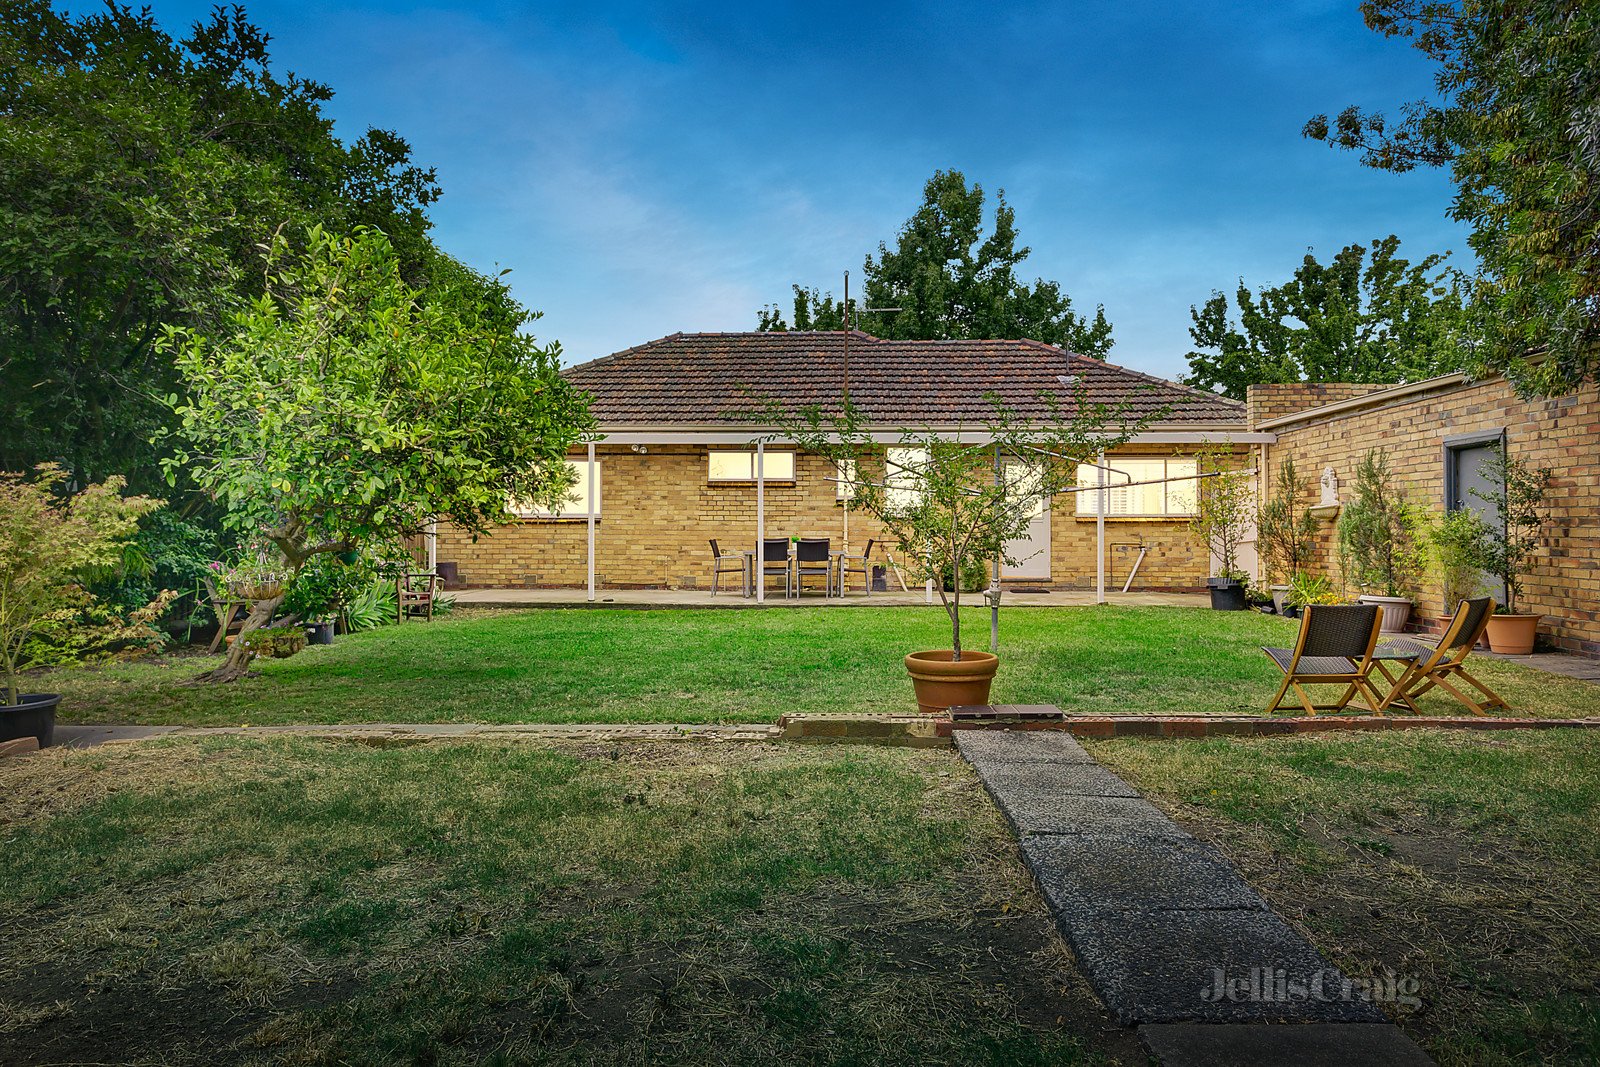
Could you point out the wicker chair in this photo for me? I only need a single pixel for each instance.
(1428, 667)
(813, 556)
(861, 565)
(775, 560)
(1335, 647)
(728, 563)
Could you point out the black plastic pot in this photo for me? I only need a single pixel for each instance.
(34, 715)
(319, 633)
(1226, 594)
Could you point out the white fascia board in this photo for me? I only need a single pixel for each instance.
(678, 435)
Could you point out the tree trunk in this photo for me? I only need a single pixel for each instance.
(240, 655)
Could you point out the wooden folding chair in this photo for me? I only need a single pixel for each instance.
(1428, 667)
(1335, 646)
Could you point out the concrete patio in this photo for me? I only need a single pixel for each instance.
(702, 598)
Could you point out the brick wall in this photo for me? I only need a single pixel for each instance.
(1263, 402)
(658, 513)
(1561, 433)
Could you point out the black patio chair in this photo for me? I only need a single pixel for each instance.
(812, 556)
(775, 560)
(1335, 647)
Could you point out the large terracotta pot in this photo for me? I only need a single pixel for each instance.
(1513, 634)
(1396, 611)
(941, 682)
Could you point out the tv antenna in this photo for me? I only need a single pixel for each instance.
(865, 310)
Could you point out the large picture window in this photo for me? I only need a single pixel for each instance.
(741, 467)
(1164, 499)
(576, 506)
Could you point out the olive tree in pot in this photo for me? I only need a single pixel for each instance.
(50, 541)
(1381, 540)
(1520, 492)
(954, 502)
(1224, 507)
(1286, 533)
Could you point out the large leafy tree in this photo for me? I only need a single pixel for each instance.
(344, 407)
(1517, 121)
(949, 280)
(1368, 315)
(140, 176)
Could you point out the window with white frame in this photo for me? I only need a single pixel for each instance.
(576, 505)
(1159, 498)
(846, 474)
(903, 466)
(741, 466)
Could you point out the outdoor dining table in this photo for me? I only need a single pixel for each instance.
(835, 572)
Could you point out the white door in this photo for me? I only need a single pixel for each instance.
(1031, 551)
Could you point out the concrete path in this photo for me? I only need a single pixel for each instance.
(69, 736)
(702, 598)
(1163, 926)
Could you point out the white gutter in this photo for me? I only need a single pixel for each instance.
(1380, 396)
(636, 436)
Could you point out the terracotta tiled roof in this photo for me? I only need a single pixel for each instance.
(711, 378)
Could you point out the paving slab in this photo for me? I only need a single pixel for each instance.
(1097, 876)
(1301, 1044)
(1007, 746)
(1209, 965)
(1054, 779)
(1041, 810)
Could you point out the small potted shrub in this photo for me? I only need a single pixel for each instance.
(953, 511)
(1519, 492)
(1306, 589)
(1460, 549)
(1381, 540)
(1286, 533)
(50, 541)
(1224, 506)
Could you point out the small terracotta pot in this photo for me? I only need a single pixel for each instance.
(941, 682)
(1513, 634)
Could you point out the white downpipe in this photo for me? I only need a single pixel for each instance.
(1100, 532)
(433, 546)
(760, 566)
(592, 504)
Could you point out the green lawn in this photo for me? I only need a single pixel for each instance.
(1467, 862)
(195, 901)
(737, 666)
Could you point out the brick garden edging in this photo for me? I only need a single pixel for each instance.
(924, 730)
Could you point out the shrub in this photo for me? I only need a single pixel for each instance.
(1520, 496)
(1307, 589)
(373, 607)
(1380, 531)
(1461, 548)
(1286, 533)
(1224, 506)
(50, 541)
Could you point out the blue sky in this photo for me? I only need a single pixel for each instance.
(646, 168)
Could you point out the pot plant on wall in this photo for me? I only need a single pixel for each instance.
(50, 542)
(1224, 507)
(1381, 540)
(1286, 533)
(1519, 491)
(944, 498)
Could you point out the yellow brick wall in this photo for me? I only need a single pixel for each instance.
(658, 513)
(1561, 433)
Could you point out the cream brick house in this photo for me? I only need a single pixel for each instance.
(679, 460)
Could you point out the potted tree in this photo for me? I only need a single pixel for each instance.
(1224, 506)
(50, 541)
(953, 503)
(1519, 491)
(1380, 540)
(1460, 548)
(1286, 533)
